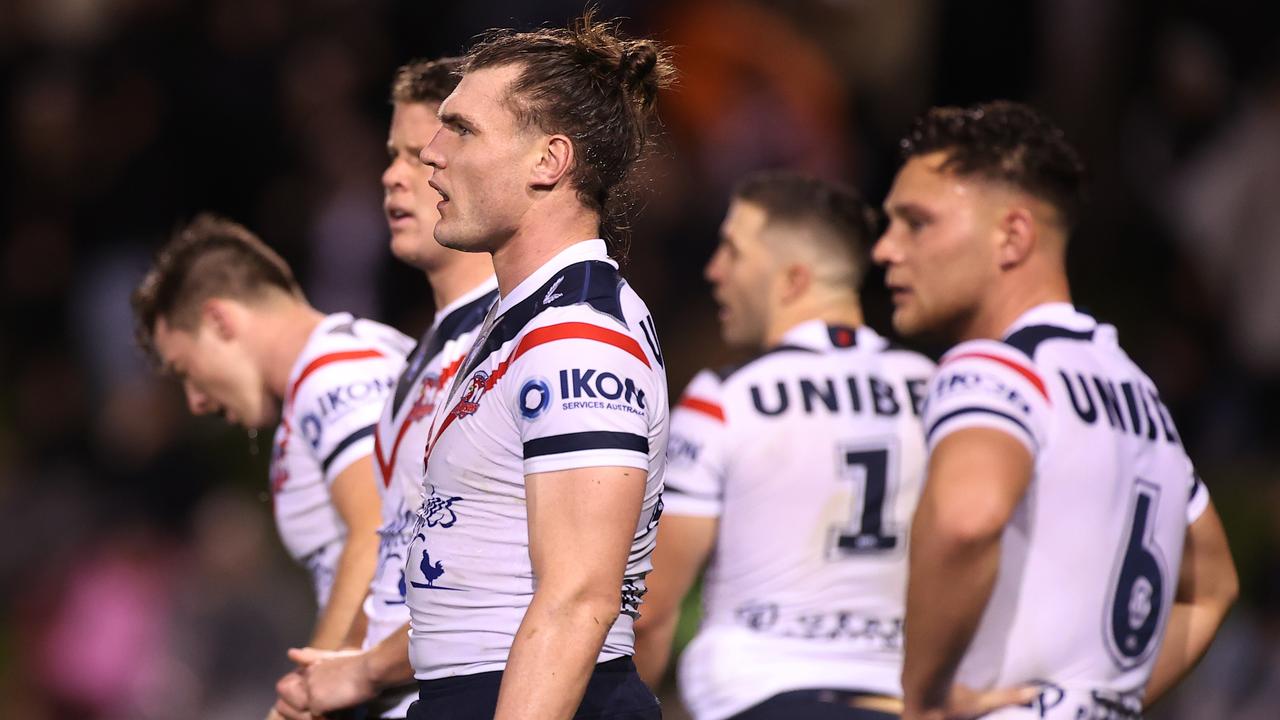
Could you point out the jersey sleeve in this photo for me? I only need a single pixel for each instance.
(987, 384)
(336, 409)
(696, 453)
(585, 399)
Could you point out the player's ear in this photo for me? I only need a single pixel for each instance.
(553, 163)
(1016, 237)
(217, 314)
(797, 278)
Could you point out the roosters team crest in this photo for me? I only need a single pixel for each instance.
(425, 404)
(470, 400)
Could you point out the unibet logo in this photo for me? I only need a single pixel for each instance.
(594, 384)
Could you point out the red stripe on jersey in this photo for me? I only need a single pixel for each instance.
(387, 466)
(706, 407)
(311, 367)
(1022, 370)
(323, 360)
(579, 331)
(542, 336)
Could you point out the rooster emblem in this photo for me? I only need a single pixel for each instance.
(429, 571)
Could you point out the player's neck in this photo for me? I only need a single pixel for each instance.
(460, 276)
(546, 232)
(842, 310)
(1016, 299)
(282, 333)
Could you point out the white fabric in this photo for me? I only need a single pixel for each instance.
(400, 439)
(555, 382)
(798, 453)
(1107, 459)
(336, 389)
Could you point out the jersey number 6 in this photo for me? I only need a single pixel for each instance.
(1133, 617)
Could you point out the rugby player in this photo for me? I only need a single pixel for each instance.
(795, 473)
(1063, 532)
(546, 452)
(463, 288)
(222, 313)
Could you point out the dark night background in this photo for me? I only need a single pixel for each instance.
(139, 572)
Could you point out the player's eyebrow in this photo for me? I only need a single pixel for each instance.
(457, 119)
(906, 209)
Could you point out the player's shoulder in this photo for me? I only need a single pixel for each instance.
(354, 338)
(984, 367)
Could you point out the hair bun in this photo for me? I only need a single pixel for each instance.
(636, 64)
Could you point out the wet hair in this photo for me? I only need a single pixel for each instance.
(592, 85)
(835, 215)
(1005, 142)
(210, 256)
(425, 81)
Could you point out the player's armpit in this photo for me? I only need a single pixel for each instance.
(976, 478)
(355, 497)
(581, 526)
(684, 542)
(1207, 588)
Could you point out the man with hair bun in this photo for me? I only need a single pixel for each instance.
(1063, 539)
(546, 453)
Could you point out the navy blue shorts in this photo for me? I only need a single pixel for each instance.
(614, 692)
(813, 705)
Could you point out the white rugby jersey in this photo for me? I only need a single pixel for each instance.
(812, 457)
(1090, 559)
(399, 440)
(336, 389)
(566, 373)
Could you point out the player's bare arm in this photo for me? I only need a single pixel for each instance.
(684, 543)
(581, 526)
(356, 499)
(976, 478)
(1207, 588)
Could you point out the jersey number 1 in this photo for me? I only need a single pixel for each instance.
(866, 532)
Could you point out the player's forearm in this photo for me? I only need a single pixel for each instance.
(351, 582)
(654, 634)
(358, 629)
(1187, 637)
(950, 583)
(553, 655)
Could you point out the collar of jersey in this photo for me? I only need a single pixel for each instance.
(578, 252)
(1058, 314)
(488, 285)
(815, 335)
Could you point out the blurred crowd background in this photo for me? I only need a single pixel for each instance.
(140, 575)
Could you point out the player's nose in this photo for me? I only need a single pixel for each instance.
(431, 154)
(197, 402)
(714, 271)
(885, 251)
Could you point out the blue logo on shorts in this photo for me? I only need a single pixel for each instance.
(535, 398)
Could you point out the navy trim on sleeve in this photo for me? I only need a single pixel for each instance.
(593, 440)
(347, 442)
(928, 436)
